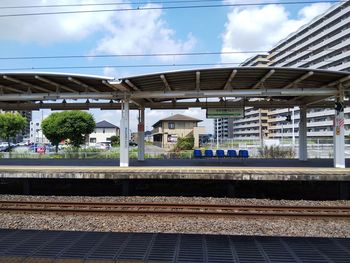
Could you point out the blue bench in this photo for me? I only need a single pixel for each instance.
(243, 154)
(232, 153)
(208, 154)
(197, 154)
(220, 153)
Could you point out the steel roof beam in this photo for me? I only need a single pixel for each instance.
(55, 84)
(173, 94)
(2, 87)
(298, 80)
(229, 80)
(85, 86)
(235, 93)
(337, 82)
(198, 80)
(312, 100)
(166, 84)
(159, 105)
(260, 82)
(114, 87)
(134, 87)
(28, 85)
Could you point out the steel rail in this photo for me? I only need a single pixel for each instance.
(176, 209)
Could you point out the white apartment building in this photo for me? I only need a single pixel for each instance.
(36, 133)
(324, 43)
(223, 128)
(103, 132)
(253, 126)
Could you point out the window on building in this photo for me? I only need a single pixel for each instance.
(93, 140)
(171, 125)
(103, 131)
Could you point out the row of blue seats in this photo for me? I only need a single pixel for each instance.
(221, 154)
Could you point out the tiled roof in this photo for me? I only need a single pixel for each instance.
(105, 124)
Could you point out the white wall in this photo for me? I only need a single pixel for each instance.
(102, 135)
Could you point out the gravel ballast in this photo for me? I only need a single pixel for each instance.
(177, 224)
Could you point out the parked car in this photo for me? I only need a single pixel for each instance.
(34, 146)
(131, 143)
(3, 146)
(23, 144)
(41, 149)
(102, 145)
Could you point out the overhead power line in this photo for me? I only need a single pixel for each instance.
(135, 66)
(166, 8)
(155, 54)
(107, 4)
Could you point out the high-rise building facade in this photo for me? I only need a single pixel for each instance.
(324, 43)
(223, 128)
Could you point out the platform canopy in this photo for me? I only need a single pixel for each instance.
(264, 87)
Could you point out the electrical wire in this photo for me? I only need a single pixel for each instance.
(165, 8)
(125, 3)
(135, 66)
(153, 54)
(107, 4)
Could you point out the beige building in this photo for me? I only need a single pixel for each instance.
(166, 131)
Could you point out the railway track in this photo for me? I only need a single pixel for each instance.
(177, 209)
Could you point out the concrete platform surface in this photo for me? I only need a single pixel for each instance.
(65, 246)
(201, 173)
(279, 170)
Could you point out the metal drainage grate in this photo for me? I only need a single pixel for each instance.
(68, 246)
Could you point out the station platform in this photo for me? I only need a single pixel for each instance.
(68, 246)
(214, 169)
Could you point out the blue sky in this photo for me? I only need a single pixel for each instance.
(143, 32)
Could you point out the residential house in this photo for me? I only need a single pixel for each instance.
(166, 131)
(103, 132)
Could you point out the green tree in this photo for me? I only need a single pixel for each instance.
(11, 124)
(115, 140)
(76, 125)
(52, 128)
(72, 125)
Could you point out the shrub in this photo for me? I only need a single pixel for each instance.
(186, 143)
(115, 140)
(276, 152)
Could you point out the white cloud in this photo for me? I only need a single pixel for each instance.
(110, 72)
(50, 28)
(259, 28)
(119, 32)
(146, 33)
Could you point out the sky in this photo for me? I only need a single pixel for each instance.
(142, 27)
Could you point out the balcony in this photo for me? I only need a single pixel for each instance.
(157, 130)
(305, 39)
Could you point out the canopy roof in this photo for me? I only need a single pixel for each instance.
(248, 86)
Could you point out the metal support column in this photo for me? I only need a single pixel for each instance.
(124, 134)
(338, 136)
(141, 135)
(303, 134)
